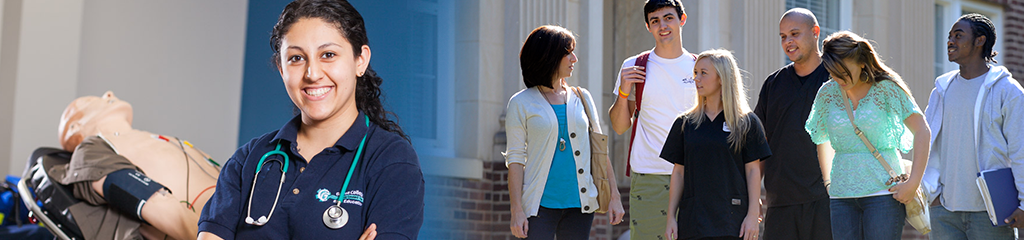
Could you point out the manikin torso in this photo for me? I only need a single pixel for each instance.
(165, 162)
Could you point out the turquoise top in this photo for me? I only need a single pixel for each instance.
(561, 190)
(880, 114)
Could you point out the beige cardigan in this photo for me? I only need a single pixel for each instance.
(532, 132)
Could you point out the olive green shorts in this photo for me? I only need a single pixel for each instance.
(648, 200)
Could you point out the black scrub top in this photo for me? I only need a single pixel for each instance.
(793, 176)
(387, 178)
(714, 200)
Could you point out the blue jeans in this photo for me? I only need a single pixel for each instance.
(948, 225)
(878, 217)
(569, 223)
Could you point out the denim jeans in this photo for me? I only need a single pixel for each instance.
(948, 225)
(878, 217)
(569, 223)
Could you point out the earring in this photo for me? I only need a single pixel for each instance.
(360, 74)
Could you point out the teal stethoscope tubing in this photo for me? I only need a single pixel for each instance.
(284, 169)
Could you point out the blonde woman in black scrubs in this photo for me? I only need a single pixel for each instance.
(717, 148)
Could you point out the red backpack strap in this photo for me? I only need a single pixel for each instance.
(641, 61)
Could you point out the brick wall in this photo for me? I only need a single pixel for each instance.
(470, 209)
(479, 209)
(1013, 36)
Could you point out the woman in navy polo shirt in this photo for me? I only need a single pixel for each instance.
(339, 168)
(717, 148)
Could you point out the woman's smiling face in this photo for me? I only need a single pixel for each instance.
(319, 69)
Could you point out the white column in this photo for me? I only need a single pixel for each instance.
(763, 53)
(8, 28)
(46, 74)
(595, 51)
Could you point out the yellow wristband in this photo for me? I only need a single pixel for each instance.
(623, 94)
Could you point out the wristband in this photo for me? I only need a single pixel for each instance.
(623, 94)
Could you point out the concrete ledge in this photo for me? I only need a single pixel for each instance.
(452, 167)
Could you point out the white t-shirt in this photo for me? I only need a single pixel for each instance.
(668, 91)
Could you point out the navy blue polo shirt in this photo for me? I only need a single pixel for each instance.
(387, 178)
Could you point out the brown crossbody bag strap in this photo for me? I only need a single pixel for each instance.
(892, 174)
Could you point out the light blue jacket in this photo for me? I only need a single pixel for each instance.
(998, 127)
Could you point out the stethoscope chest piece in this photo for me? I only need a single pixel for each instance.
(335, 217)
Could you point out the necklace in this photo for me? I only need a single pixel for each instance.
(553, 92)
(561, 140)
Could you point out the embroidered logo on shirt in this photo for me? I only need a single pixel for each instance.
(354, 197)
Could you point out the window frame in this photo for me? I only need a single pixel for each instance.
(443, 145)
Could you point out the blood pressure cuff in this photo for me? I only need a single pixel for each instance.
(127, 191)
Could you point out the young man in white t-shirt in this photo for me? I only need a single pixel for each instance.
(669, 90)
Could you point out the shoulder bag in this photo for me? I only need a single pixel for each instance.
(598, 159)
(917, 210)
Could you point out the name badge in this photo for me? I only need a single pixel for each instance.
(736, 202)
(725, 127)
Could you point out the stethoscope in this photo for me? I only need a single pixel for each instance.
(334, 216)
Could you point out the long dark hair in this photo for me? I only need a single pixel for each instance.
(341, 14)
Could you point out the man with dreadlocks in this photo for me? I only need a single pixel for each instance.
(975, 116)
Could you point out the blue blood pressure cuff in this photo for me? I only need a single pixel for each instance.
(127, 191)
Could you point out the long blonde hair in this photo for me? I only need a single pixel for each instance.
(734, 97)
(847, 45)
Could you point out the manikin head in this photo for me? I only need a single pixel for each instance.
(85, 116)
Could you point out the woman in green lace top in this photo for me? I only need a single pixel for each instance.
(863, 206)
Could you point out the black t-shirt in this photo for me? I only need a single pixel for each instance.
(793, 176)
(714, 200)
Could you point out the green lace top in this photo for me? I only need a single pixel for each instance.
(880, 114)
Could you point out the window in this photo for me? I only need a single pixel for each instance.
(946, 14)
(411, 41)
(826, 11)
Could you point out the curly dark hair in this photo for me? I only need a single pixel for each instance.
(344, 16)
(982, 26)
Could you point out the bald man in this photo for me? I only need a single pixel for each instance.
(796, 177)
(133, 183)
